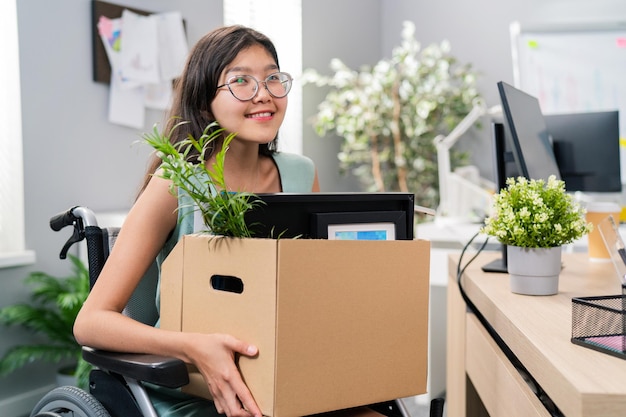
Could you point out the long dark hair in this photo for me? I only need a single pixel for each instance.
(195, 89)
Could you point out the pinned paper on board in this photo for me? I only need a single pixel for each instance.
(146, 54)
(172, 44)
(139, 48)
(126, 105)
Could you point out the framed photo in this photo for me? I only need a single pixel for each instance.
(372, 225)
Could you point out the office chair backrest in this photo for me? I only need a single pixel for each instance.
(142, 304)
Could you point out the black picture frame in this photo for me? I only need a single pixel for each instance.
(323, 221)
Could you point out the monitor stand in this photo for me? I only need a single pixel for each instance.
(497, 265)
(500, 157)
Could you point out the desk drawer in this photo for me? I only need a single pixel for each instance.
(503, 391)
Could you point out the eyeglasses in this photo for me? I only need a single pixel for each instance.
(246, 87)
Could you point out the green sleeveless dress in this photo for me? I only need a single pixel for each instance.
(297, 174)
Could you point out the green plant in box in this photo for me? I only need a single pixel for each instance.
(185, 164)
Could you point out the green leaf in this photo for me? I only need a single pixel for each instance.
(222, 210)
(535, 214)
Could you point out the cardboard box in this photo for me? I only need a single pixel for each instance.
(338, 324)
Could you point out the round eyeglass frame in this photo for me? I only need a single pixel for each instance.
(256, 89)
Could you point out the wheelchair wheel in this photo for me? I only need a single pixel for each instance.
(69, 402)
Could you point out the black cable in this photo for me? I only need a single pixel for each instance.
(460, 272)
(535, 387)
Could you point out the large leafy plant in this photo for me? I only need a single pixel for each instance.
(185, 165)
(388, 115)
(55, 302)
(535, 214)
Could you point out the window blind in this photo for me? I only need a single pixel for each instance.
(11, 169)
(281, 21)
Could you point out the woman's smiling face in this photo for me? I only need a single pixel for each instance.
(256, 120)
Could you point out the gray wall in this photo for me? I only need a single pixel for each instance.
(331, 29)
(72, 155)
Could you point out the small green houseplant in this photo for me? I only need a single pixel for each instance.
(55, 302)
(535, 214)
(534, 218)
(185, 165)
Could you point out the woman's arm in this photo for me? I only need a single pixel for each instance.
(100, 323)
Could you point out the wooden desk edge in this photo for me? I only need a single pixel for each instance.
(569, 399)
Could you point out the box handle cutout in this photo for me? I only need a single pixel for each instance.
(227, 283)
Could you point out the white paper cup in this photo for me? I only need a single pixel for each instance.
(596, 212)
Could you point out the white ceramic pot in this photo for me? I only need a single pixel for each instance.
(534, 271)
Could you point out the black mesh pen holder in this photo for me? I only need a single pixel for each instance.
(599, 323)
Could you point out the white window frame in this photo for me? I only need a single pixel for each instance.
(281, 21)
(12, 239)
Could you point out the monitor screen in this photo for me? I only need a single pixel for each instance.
(586, 146)
(532, 149)
(364, 216)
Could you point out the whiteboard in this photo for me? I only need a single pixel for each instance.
(575, 68)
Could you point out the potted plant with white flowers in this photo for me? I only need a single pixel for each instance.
(535, 218)
(389, 114)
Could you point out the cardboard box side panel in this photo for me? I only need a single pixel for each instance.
(171, 287)
(249, 315)
(352, 323)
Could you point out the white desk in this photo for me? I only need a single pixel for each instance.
(444, 240)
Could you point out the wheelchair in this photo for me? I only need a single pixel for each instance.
(117, 381)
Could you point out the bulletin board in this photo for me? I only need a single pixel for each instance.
(101, 65)
(573, 68)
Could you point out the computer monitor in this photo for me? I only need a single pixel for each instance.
(586, 147)
(363, 216)
(532, 148)
(522, 139)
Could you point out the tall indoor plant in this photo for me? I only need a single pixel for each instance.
(535, 218)
(389, 114)
(55, 302)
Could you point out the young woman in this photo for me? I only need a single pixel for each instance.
(232, 76)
